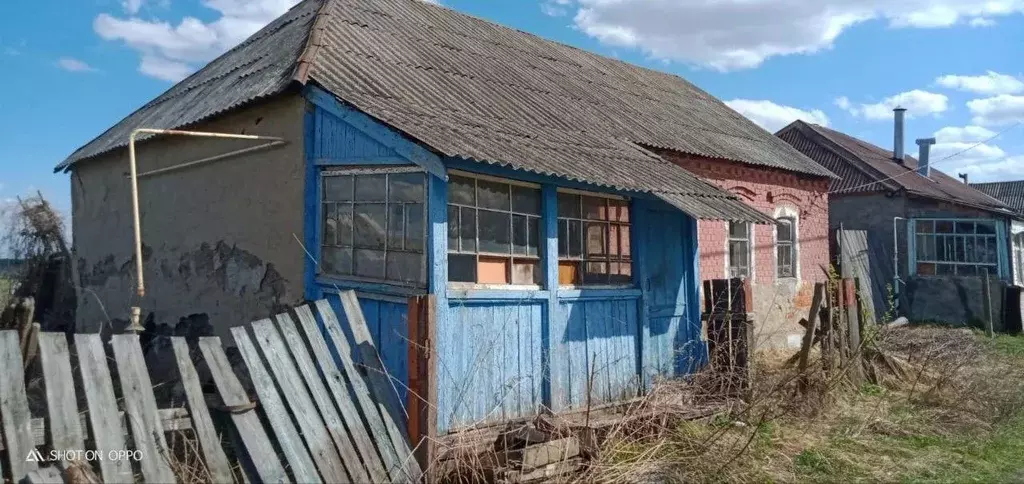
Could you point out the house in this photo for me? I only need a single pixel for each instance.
(946, 234)
(1012, 194)
(513, 179)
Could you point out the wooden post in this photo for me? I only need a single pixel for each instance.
(812, 322)
(853, 321)
(429, 330)
(986, 300)
(414, 395)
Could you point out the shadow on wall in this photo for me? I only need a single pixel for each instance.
(953, 300)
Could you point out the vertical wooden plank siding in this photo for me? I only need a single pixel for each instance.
(103, 416)
(339, 141)
(209, 441)
(14, 406)
(250, 430)
(311, 425)
(140, 408)
(339, 391)
(376, 422)
(61, 402)
(291, 444)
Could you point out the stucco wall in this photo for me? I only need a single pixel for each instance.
(778, 303)
(218, 237)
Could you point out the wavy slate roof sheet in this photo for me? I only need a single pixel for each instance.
(1010, 192)
(864, 167)
(475, 90)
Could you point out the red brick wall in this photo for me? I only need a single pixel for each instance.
(765, 189)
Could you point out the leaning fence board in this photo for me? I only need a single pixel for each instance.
(216, 461)
(291, 444)
(171, 419)
(103, 416)
(392, 458)
(251, 432)
(45, 475)
(341, 438)
(140, 406)
(14, 406)
(380, 382)
(340, 392)
(61, 403)
(311, 425)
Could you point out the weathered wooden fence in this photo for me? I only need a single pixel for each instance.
(322, 412)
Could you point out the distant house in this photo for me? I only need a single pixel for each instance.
(528, 186)
(946, 233)
(1012, 194)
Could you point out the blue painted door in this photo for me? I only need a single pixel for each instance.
(671, 339)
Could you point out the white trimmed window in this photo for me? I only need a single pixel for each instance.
(787, 243)
(1018, 258)
(739, 262)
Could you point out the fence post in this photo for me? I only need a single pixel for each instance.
(853, 319)
(986, 299)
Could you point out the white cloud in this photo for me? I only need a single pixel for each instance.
(966, 153)
(1006, 169)
(71, 64)
(738, 34)
(1001, 109)
(773, 117)
(981, 22)
(165, 48)
(917, 103)
(966, 134)
(990, 83)
(132, 6)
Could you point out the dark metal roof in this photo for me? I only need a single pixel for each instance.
(1010, 192)
(475, 90)
(864, 167)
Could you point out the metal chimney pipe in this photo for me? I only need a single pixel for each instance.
(963, 176)
(923, 164)
(897, 146)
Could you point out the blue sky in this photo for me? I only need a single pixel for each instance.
(74, 68)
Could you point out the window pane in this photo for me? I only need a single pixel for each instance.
(368, 263)
(405, 267)
(785, 230)
(738, 230)
(597, 245)
(406, 187)
(415, 227)
(785, 260)
(525, 200)
(461, 268)
(461, 190)
(965, 227)
(526, 272)
(453, 228)
(943, 227)
(396, 227)
(369, 225)
(330, 224)
(494, 232)
(595, 208)
(596, 273)
(568, 205)
(533, 243)
(492, 270)
(338, 188)
(575, 238)
(493, 195)
(519, 234)
(613, 241)
(620, 273)
(467, 229)
(624, 242)
(344, 214)
(958, 250)
(738, 251)
(563, 238)
(925, 226)
(336, 261)
(944, 269)
(987, 228)
(926, 269)
(371, 188)
(967, 270)
(568, 273)
(922, 248)
(618, 210)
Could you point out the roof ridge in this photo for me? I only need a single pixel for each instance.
(314, 42)
(854, 160)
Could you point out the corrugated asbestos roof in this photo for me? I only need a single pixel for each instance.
(864, 167)
(1010, 192)
(475, 90)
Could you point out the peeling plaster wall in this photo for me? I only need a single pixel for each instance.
(218, 237)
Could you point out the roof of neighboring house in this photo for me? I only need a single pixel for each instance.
(864, 167)
(475, 90)
(1010, 192)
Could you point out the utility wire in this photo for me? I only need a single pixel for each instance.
(954, 155)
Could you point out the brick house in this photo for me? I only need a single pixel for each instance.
(781, 266)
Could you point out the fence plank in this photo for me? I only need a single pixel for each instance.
(14, 406)
(340, 392)
(311, 425)
(103, 416)
(349, 455)
(216, 461)
(394, 459)
(251, 432)
(380, 381)
(61, 402)
(140, 407)
(291, 444)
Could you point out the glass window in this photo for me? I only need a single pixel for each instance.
(739, 249)
(373, 225)
(956, 247)
(785, 248)
(593, 240)
(493, 232)
(1018, 258)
